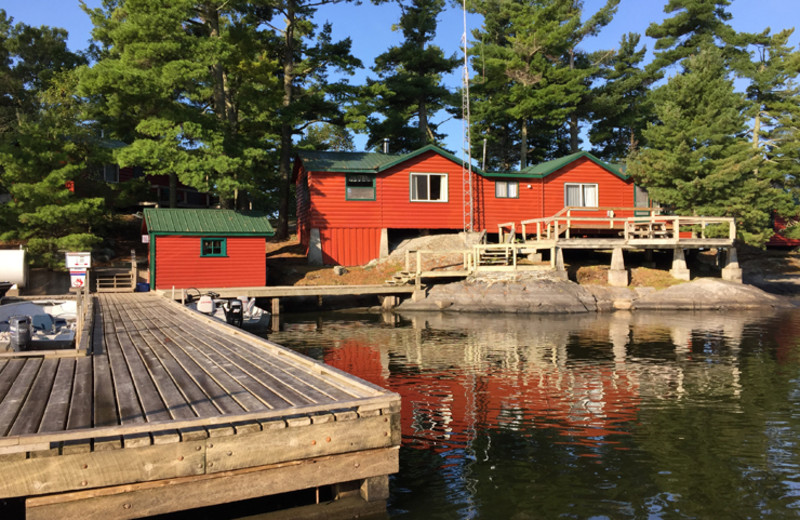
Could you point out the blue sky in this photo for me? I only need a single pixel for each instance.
(369, 27)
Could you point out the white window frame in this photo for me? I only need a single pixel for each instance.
(583, 186)
(444, 187)
(507, 185)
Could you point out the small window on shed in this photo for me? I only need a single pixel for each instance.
(506, 189)
(111, 173)
(213, 247)
(360, 187)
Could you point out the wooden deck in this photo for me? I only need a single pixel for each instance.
(173, 410)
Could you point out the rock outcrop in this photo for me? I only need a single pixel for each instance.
(540, 293)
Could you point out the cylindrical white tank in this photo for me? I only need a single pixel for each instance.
(13, 267)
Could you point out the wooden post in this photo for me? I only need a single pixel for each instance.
(408, 261)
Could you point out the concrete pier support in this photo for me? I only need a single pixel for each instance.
(732, 272)
(383, 248)
(617, 275)
(679, 269)
(314, 248)
(389, 302)
(561, 271)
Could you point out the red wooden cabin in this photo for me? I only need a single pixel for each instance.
(347, 202)
(206, 248)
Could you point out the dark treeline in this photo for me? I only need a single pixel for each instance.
(218, 95)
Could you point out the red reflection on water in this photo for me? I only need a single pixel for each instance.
(442, 409)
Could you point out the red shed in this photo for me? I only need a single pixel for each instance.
(348, 201)
(206, 248)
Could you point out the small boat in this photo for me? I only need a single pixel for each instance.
(38, 325)
(241, 312)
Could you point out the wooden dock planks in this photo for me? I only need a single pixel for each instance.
(167, 393)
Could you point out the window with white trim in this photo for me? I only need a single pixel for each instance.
(428, 187)
(506, 189)
(580, 195)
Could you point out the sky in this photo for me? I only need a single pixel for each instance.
(369, 28)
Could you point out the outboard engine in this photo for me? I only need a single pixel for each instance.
(20, 328)
(234, 313)
(206, 304)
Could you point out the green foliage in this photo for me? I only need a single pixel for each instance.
(621, 106)
(698, 161)
(527, 58)
(44, 146)
(326, 136)
(409, 93)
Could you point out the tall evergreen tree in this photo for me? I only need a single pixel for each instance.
(44, 147)
(775, 110)
(620, 106)
(694, 24)
(408, 92)
(699, 161)
(548, 76)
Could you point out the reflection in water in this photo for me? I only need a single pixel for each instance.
(622, 415)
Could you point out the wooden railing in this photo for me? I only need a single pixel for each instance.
(652, 226)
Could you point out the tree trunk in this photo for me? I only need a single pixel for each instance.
(284, 164)
(523, 145)
(423, 122)
(573, 119)
(210, 16)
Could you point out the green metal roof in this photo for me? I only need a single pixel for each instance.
(365, 162)
(546, 168)
(207, 222)
(373, 162)
(351, 162)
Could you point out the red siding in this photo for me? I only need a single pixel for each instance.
(349, 246)
(179, 264)
(611, 190)
(350, 230)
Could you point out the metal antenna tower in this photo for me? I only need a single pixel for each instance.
(466, 163)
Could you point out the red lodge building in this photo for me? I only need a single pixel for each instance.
(349, 202)
(206, 248)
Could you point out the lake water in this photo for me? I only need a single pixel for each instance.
(623, 415)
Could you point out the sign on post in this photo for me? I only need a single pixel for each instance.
(78, 263)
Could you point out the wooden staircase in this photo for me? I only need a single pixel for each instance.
(402, 278)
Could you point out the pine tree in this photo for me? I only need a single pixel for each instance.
(44, 147)
(408, 92)
(694, 24)
(620, 106)
(699, 161)
(536, 45)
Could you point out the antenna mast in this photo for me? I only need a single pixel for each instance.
(466, 164)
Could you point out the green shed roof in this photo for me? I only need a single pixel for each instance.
(207, 222)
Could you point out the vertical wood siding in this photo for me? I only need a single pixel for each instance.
(349, 246)
(179, 264)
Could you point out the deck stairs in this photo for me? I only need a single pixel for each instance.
(402, 278)
(496, 256)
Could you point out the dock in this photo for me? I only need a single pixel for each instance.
(171, 410)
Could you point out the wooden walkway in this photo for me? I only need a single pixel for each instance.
(169, 402)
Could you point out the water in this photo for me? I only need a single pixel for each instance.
(679, 415)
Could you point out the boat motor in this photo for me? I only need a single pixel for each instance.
(206, 304)
(20, 328)
(234, 312)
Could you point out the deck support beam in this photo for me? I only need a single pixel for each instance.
(732, 272)
(383, 248)
(561, 271)
(617, 275)
(314, 247)
(679, 269)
